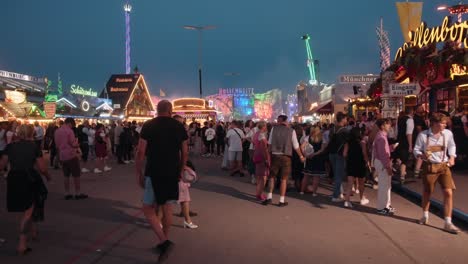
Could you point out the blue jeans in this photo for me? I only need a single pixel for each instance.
(338, 165)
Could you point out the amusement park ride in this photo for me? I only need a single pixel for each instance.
(310, 61)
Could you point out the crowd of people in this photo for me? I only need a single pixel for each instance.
(369, 151)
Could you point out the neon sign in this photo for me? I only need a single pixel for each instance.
(424, 36)
(123, 80)
(457, 70)
(76, 89)
(114, 89)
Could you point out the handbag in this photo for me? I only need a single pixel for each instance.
(189, 175)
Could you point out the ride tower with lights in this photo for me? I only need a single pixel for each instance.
(128, 10)
(310, 61)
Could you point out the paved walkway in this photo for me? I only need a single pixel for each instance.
(108, 227)
(460, 198)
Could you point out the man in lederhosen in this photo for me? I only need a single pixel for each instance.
(436, 147)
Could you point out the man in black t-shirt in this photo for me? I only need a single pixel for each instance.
(338, 138)
(163, 141)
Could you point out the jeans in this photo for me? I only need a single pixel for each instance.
(338, 165)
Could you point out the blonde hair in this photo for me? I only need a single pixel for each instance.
(25, 132)
(316, 134)
(261, 125)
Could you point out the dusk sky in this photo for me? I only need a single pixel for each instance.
(259, 39)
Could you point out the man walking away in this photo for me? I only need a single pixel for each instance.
(282, 141)
(67, 145)
(163, 141)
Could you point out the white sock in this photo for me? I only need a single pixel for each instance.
(270, 196)
(281, 199)
(426, 214)
(448, 220)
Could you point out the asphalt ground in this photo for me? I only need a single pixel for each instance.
(109, 226)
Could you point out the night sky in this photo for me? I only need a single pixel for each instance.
(259, 39)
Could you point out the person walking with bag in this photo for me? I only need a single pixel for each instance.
(432, 146)
(164, 144)
(261, 159)
(26, 191)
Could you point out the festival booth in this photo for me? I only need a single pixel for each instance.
(130, 97)
(429, 70)
(16, 107)
(194, 108)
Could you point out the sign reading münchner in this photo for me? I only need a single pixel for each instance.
(358, 78)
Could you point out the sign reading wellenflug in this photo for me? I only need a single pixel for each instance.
(397, 89)
(358, 78)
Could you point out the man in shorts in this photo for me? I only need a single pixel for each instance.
(432, 146)
(235, 137)
(67, 146)
(164, 143)
(282, 141)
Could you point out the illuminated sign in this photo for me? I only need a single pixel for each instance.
(397, 89)
(457, 70)
(424, 36)
(22, 77)
(85, 105)
(236, 91)
(188, 102)
(358, 78)
(15, 97)
(76, 89)
(49, 109)
(123, 80)
(117, 89)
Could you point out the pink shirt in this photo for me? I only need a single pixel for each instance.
(65, 140)
(382, 149)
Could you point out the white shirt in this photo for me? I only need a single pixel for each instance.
(38, 133)
(91, 134)
(235, 140)
(295, 143)
(250, 135)
(436, 157)
(409, 126)
(210, 134)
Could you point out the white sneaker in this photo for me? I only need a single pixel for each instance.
(190, 225)
(96, 170)
(337, 200)
(364, 201)
(348, 204)
(314, 194)
(126, 161)
(106, 168)
(84, 170)
(253, 179)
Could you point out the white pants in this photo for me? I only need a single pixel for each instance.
(385, 186)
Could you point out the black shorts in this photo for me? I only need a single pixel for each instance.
(71, 168)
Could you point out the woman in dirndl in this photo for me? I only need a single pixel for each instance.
(26, 192)
(315, 162)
